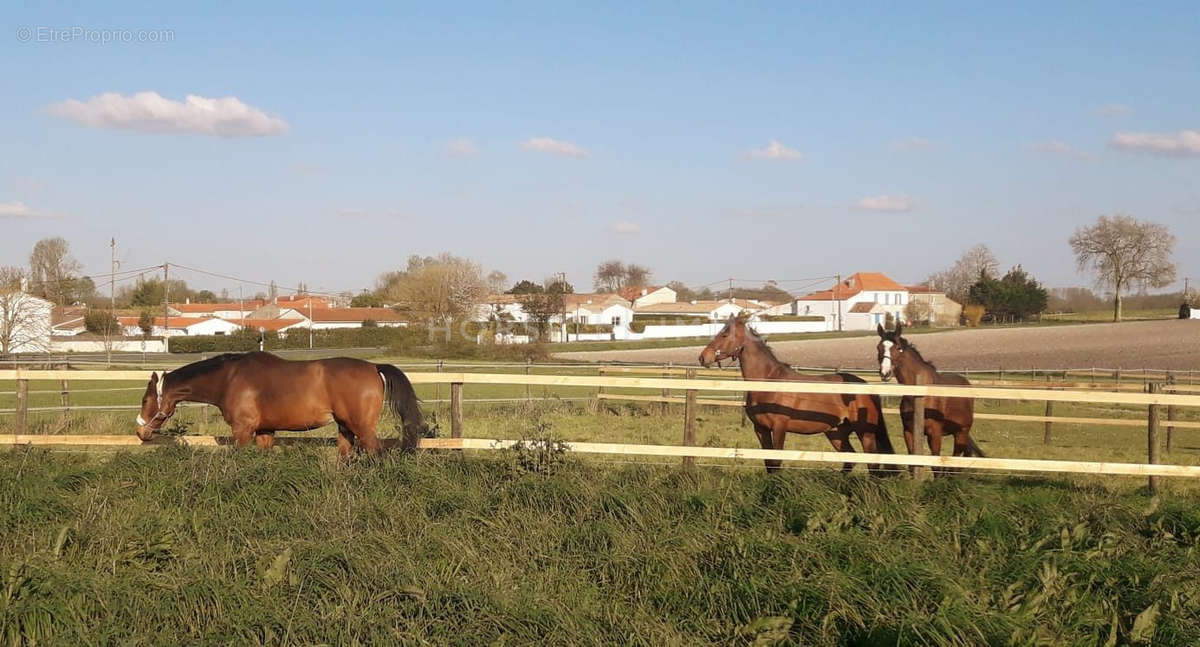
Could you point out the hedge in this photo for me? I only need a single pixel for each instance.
(792, 318)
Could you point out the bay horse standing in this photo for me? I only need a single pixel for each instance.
(775, 414)
(944, 416)
(259, 394)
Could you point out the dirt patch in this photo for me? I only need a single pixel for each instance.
(1167, 344)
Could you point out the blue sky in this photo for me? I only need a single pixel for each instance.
(539, 138)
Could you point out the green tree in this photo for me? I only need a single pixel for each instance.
(525, 286)
(146, 322)
(541, 308)
(1017, 295)
(366, 300)
(102, 322)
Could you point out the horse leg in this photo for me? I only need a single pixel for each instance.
(264, 439)
(345, 441)
(840, 439)
(869, 446)
(242, 434)
(764, 438)
(778, 438)
(368, 439)
(933, 435)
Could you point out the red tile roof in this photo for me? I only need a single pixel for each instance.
(855, 283)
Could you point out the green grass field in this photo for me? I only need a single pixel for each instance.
(176, 546)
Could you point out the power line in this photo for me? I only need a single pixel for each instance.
(229, 277)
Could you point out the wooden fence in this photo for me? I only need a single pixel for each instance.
(1153, 399)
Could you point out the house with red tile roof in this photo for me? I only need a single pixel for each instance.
(859, 302)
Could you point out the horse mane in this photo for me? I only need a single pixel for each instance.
(759, 342)
(203, 367)
(909, 346)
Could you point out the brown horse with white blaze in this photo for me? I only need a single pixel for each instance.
(775, 414)
(259, 394)
(944, 416)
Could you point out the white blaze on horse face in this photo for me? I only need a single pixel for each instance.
(885, 364)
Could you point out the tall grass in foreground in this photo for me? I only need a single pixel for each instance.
(200, 547)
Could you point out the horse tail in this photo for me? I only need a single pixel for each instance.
(974, 448)
(402, 398)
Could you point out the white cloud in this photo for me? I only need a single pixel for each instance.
(149, 112)
(21, 211)
(1059, 147)
(1180, 144)
(554, 147)
(626, 227)
(910, 144)
(775, 151)
(892, 203)
(461, 147)
(1113, 110)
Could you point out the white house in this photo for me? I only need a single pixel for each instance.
(859, 302)
(640, 296)
(25, 322)
(281, 326)
(598, 309)
(717, 310)
(179, 326)
(234, 310)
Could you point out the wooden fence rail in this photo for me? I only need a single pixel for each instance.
(712, 453)
(1153, 398)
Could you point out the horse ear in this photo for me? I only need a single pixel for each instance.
(879, 329)
(153, 377)
(899, 329)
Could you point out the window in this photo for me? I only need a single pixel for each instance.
(616, 321)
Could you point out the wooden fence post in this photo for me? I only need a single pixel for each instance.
(1049, 424)
(22, 421)
(1153, 448)
(437, 388)
(666, 393)
(599, 392)
(1170, 411)
(66, 405)
(689, 419)
(918, 425)
(456, 410)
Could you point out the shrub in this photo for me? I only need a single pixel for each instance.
(973, 314)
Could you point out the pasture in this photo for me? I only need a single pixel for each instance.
(170, 545)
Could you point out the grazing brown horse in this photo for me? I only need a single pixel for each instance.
(775, 414)
(943, 416)
(259, 394)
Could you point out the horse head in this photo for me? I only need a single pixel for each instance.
(153, 414)
(889, 350)
(727, 344)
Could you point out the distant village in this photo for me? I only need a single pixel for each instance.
(859, 302)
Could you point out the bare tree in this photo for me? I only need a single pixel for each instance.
(497, 282)
(1125, 253)
(24, 318)
(636, 275)
(956, 281)
(610, 276)
(439, 290)
(52, 270)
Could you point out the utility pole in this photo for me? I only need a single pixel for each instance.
(166, 309)
(112, 301)
(837, 291)
(562, 292)
(310, 322)
(731, 290)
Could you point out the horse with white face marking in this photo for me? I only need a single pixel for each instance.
(944, 416)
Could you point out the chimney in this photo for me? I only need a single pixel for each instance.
(645, 292)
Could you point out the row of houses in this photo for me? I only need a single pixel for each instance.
(860, 302)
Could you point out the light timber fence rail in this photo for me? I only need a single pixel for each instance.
(1153, 399)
